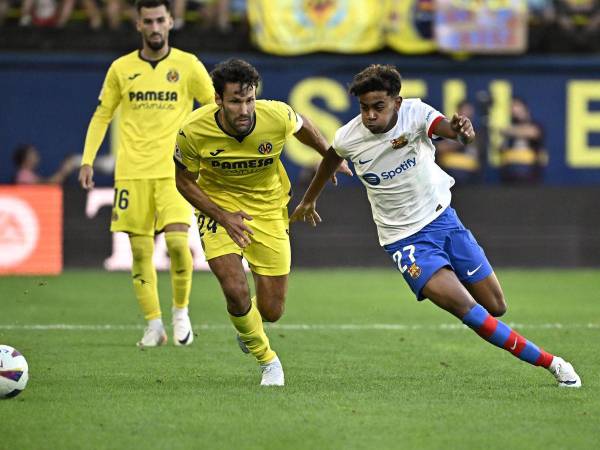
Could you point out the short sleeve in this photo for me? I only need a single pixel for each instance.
(293, 122)
(430, 117)
(338, 144)
(185, 155)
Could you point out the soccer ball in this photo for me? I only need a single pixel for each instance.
(14, 372)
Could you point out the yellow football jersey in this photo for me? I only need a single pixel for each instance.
(240, 173)
(155, 97)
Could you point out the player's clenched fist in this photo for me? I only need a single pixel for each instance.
(463, 127)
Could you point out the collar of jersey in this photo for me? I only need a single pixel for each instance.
(239, 137)
(153, 63)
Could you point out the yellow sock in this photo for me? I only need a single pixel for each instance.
(181, 267)
(252, 333)
(144, 276)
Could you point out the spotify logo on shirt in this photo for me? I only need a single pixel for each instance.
(372, 179)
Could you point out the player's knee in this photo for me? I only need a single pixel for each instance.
(499, 306)
(236, 293)
(272, 310)
(273, 313)
(142, 248)
(176, 250)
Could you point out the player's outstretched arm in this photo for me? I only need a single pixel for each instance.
(310, 135)
(306, 210)
(458, 128)
(232, 222)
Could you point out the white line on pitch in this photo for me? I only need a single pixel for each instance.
(300, 327)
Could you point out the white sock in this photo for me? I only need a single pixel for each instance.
(179, 312)
(156, 324)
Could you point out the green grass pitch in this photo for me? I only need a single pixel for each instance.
(367, 367)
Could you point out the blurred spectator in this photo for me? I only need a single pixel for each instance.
(577, 25)
(4, 5)
(522, 156)
(117, 10)
(461, 162)
(40, 13)
(56, 13)
(214, 14)
(541, 20)
(27, 159)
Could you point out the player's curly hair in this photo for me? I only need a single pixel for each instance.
(139, 4)
(234, 71)
(376, 77)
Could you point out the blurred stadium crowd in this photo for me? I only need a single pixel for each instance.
(554, 25)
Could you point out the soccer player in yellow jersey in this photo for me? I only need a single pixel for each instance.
(155, 88)
(228, 167)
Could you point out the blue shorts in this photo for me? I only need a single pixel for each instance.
(445, 242)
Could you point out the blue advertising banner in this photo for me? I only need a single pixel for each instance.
(48, 101)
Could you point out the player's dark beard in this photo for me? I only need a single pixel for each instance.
(234, 126)
(155, 45)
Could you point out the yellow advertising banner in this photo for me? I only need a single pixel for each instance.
(295, 27)
(409, 26)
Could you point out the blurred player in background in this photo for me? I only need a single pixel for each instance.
(390, 146)
(27, 158)
(461, 161)
(155, 87)
(228, 167)
(522, 153)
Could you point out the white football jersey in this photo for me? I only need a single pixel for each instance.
(406, 188)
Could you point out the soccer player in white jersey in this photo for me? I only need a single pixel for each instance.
(390, 146)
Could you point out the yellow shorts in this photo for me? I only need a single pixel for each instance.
(269, 252)
(146, 206)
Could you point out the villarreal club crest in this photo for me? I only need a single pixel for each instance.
(265, 148)
(172, 76)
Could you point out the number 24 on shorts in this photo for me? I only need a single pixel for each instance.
(211, 224)
(397, 257)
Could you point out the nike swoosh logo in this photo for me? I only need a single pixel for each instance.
(364, 162)
(185, 339)
(514, 345)
(134, 76)
(216, 152)
(471, 272)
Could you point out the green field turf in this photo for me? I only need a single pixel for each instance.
(366, 367)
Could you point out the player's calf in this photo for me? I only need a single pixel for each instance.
(501, 335)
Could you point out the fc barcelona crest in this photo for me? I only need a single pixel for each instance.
(265, 148)
(399, 142)
(414, 271)
(172, 76)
